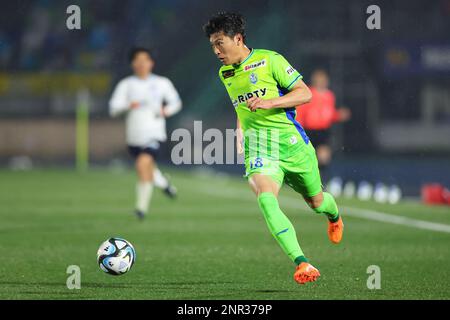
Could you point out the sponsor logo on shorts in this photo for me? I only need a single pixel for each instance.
(255, 65)
(293, 140)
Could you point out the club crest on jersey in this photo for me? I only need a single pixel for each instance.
(253, 78)
(227, 73)
(255, 65)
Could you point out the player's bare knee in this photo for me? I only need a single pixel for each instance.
(144, 170)
(145, 177)
(258, 189)
(261, 188)
(315, 202)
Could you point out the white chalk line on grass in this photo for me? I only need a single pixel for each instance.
(347, 211)
(383, 217)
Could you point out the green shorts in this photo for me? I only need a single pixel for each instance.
(296, 165)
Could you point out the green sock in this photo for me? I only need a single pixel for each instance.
(280, 226)
(300, 259)
(328, 207)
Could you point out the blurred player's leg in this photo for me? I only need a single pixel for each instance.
(161, 182)
(324, 158)
(279, 225)
(144, 189)
(159, 179)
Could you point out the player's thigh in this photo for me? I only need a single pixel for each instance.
(145, 165)
(260, 183)
(264, 174)
(302, 173)
(323, 153)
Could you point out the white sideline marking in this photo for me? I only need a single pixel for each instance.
(394, 219)
(367, 214)
(382, 217)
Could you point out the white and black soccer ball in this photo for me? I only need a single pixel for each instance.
(116, 256)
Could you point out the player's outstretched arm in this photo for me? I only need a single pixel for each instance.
(172, 99)
(119, 102)
(298, 95)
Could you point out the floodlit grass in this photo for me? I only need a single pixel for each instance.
(210, 243)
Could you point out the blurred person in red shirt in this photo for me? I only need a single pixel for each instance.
(319, 115)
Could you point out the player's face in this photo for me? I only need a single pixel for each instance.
(227, 49)
(142, 64)
(320, 80)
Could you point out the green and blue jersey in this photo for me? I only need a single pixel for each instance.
(265, 74)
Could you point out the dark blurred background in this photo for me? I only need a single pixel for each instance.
(396, 80)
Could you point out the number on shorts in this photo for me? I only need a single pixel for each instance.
(258, 163)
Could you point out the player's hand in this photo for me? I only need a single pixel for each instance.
(239, 139)
(134, 105)
(344, 114)
(258, 103)
(163, 112)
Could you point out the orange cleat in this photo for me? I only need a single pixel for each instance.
(305, 272)
(335, 230)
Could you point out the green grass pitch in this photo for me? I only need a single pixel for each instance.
(210, 243)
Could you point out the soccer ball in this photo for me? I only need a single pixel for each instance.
(116, 256)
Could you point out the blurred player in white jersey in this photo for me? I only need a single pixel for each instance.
(147, 100)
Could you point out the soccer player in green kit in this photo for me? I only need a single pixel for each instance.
(264, 89)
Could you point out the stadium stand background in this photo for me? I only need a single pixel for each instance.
(396, 80)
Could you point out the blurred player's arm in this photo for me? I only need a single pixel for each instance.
(172, 99)
(342, 114)
(119, 103)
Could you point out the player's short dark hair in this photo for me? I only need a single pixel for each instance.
(136, 50)
(230, 23)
